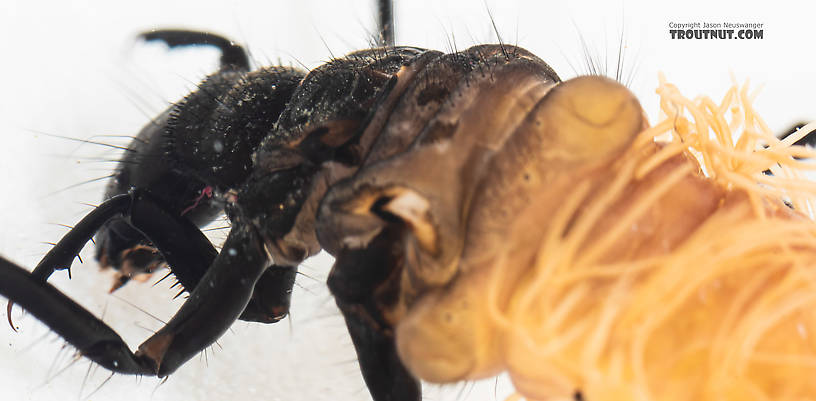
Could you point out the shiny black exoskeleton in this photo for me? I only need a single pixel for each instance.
(277, 149)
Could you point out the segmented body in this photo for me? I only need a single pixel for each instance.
(360, 116)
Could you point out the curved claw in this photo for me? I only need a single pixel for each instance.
(92, 337)
(8, 315)
(62, 255)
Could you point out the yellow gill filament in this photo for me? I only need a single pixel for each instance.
(741, 279)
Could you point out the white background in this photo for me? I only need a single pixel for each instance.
(72, 69)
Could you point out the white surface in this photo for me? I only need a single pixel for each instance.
(71, 69)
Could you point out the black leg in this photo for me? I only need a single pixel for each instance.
(356, 278)
(272, 295)
(92, 337)
(213, 306)
(184, 247)
(230, 279)
(384, 374)
(208, 312)
(385, 21)
(187, 251)
(232, 54)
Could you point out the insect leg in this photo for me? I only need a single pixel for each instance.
(356, 280)
(185, 248)
(207, 313)
(213, 306)
(272, 295)
(385, 21)
(232, 54)
(80, 328)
